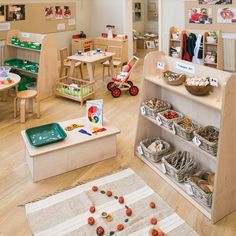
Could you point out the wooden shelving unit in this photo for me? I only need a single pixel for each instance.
(218, 46)
(217, 109)
(46, 58)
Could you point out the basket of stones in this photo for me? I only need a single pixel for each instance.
(153, 106)
(202, 187)
(198, 86)
(185, 127)
(207, 139)
(168, 117)
(154, 148)
(173, 78)
(179, 165)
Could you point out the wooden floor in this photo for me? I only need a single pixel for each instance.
(16, 186)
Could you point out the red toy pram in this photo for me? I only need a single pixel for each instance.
(121, 81)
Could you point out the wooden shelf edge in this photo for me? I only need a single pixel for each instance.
(26, 71)
(30, 49)
(183, 140)
(176, 186)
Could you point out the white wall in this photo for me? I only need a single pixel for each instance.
(139, 25)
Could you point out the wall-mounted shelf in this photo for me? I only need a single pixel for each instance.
(213, 109)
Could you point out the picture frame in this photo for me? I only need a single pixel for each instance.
(201, 15)
(215, 2)
(15, 12)
(2, 13)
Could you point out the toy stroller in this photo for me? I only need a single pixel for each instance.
(121, 81)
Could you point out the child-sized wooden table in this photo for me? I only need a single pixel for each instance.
(92, 58)
(76, 151)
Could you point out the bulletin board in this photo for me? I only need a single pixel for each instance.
(36, 22)
(217, 21)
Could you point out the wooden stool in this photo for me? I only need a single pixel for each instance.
(30, 96)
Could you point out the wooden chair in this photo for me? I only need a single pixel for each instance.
(24, 97)
(66, 64)
(117, 59)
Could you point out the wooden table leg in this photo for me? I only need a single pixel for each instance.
(111, 66)
(90, 68)
(72, 68)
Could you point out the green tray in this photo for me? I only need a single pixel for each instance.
(46, 134)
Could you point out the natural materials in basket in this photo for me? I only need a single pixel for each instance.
(198, 86)
(173, 78)
(180, 164)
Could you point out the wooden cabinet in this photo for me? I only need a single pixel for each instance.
(217, 109)
(82, 45)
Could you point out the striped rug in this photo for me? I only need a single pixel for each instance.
(66, 213)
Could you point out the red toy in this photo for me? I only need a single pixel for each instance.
(121, 82)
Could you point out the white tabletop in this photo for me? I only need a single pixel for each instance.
(92, 57)
(16, 78)
(73, 137)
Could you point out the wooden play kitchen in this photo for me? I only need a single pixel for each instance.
(35, 55)
(201, 126)
(74, 150)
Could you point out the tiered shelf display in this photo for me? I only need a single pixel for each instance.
(217, 109)
(46, 57)
(175, 42)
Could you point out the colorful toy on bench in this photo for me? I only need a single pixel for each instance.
(121, 82)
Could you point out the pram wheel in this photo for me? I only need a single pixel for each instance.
(110, 86)
(133, 91)
(116, 92)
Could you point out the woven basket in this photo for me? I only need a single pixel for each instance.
(198, 193)
(179, 174)
(184, 133)
(153, 156)
(168, 123)
(181, 79)
(153, 112)
(210, 147)
(198, 90)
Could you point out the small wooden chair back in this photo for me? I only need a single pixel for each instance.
(118, 52)
(63, 55)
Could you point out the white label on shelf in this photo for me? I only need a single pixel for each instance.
(160, 65)
(185, 67)
(214, 82)
(163, 167)
(142, 109)
(173, 129)
(140, 150)
(25, 35)
(196, 141)
(188, 189)
(159, 121)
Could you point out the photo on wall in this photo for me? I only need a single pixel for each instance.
(200, 16)
(215, 2)
(49, 15)
(15, 12)
(67, 12)
(226, 15)
(2, 13)
(58, 12)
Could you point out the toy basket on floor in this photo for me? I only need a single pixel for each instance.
(152, 112)
(186, 133)
(151, 155)
(210, 147)
(168, 123)
(75, 89)
(178, 169)
(201, 196)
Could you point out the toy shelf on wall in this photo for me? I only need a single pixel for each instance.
(214, 46)
(217, 109)
(39, 53)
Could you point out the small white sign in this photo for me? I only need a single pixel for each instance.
(5, 26)
(71, 22)
(25, 35)
(188, 189)
(160, 65)
(163, 168)
(140, 150)
(214, 82)
(61, 26)
(185, 67)
(142, 110)
(158, 120)
(196, 141)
